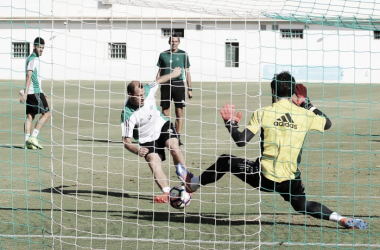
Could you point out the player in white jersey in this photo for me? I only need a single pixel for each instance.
(34, 97)
(142, 120)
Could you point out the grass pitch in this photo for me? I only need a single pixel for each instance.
(85, 191)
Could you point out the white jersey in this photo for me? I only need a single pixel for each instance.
(33, 64)
(144, 123)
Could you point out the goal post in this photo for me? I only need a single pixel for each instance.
(84, 190)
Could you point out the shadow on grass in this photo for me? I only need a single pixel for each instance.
(213, 219)
(99, 140)
(8, 146)
(369, 135)
(71, 191)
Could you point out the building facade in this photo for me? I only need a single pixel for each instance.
(92, 40)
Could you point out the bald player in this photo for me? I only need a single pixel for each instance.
(142, 121)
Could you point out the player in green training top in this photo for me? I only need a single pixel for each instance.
(34, 97)
(175, 88)
(283, 127)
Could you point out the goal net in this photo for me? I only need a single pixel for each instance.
(84, 190)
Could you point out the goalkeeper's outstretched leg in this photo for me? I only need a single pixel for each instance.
(248, 171)
(283, 127)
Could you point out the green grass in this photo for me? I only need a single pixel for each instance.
(85, 190)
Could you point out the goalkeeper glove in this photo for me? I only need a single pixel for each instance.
(301, 93)
(229, 115)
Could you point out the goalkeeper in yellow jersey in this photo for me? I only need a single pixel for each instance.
(282, 128)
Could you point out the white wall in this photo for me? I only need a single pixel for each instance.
(79, 50)
(77, 37)
(326, 52)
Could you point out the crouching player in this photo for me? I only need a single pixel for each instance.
(142, 120)
(283, 126)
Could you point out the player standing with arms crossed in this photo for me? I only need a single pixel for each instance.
(175, 88)
(34, 97)
(283, 127)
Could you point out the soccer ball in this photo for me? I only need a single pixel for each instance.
(179, 198)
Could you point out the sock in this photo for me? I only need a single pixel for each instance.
(166, 190)
(27, 136)
(336, 217)
(195, 183)
(35, 133)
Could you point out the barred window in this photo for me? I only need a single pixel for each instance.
(292, 33)
(21, 49)
(118, 50)
(376, 34)
(232, 55)
(166, 32)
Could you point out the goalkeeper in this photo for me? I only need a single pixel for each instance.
(283, 127)
(142, 120)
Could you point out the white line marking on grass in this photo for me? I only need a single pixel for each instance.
(191, 241)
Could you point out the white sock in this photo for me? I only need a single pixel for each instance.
(35, 133)
(336, 217)
(166, 190)
(195, 183)
(27, 136)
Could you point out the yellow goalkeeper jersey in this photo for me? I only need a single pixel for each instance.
(283, 130)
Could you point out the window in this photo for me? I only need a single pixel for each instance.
(198, 27)
(292, 33)
(166, 32)
(376, 34)
(263, 27)
(118, 50)
(232, 55)
(20, 49)
(274, 27)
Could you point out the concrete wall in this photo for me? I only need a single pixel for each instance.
(77, 45)
(79, 50)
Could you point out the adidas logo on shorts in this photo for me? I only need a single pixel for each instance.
(285, 121)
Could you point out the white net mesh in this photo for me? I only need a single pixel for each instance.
(101, 195)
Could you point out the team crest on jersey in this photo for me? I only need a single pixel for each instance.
(285, 121)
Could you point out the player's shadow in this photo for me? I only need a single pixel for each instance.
(367, 135)
(11, 147)
(215, 219)
(98, 140)
(68, 190)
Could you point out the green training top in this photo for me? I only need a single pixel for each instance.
(33, 64)
(168, 60)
